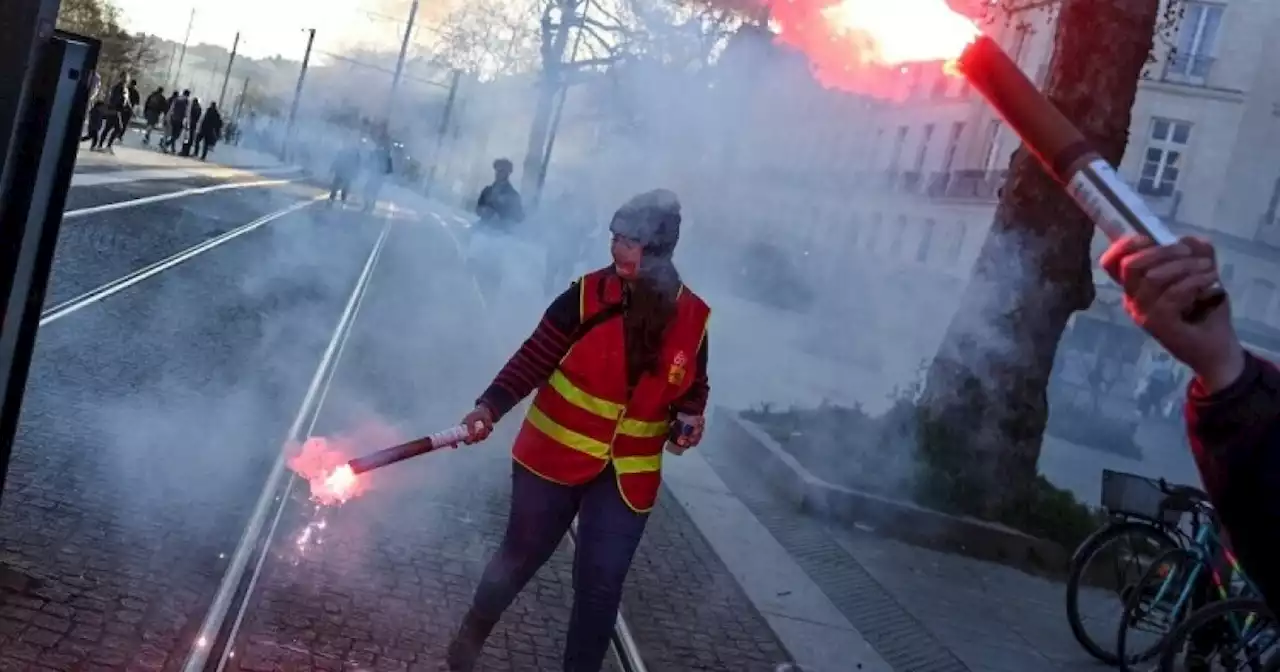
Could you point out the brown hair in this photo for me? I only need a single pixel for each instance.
(650, 310)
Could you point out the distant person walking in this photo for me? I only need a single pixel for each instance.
(499, 205)
(117, 100)
(193, 125)
(380, 166)
(179, 108)
(131, 100)
(152, 112)
(93, 131)
(210, 131)
(346, 167)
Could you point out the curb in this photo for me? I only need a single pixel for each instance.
(897, 519)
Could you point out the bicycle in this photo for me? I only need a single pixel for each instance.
(1144, 521)
(1248, 633)
(1180, 582)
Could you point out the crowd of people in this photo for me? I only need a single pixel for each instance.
(186, 127)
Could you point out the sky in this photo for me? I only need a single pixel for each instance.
(267, 27)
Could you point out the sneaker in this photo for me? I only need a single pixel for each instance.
(464, 650)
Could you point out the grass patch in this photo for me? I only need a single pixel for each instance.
(880, 455)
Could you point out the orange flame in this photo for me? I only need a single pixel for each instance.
(857, 45)
(323, 464)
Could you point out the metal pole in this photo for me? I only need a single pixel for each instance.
(227, 77)
(559, 111)
(404, 50)
(182, 55)
(297, 92)
(168, 69)
(244, 91)
(445, 118)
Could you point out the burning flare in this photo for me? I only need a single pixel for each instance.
(859, 45)
(323, 464)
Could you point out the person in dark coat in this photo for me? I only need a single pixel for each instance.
(499, 205)
(210, 130)
(346, 167)
(131, 100)
(117, 100)
(152, 111)
(97, 117)
(179, 108)
(193, 126)
(380, 165)
(1233, 402)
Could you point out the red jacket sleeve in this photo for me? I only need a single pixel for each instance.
(1236, 422)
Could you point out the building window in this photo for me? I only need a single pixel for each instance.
(1257, 302)
(875, 149)
(1019, 43)
(957, 243)
(1162, 162)
(898, 142)
(993, 145)
(899, 231)
(953, 145)
(923, 152)
(940, 85)
(873, 232)
(1197, 36)
(1042, 75)
(926, 241)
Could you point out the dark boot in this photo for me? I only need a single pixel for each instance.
(466, 646)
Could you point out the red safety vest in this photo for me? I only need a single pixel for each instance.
(582, 419)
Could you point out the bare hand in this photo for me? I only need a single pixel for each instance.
(697, 425)
(479, 424)
(1160, 285)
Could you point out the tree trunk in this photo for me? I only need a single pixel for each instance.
(984, 406)
(553, 66)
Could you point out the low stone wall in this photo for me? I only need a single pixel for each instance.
(898, 519)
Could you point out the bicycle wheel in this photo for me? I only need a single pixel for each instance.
(1237, 634)
(1103, 567)
(1156, 605)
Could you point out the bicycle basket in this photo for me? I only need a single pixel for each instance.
(1138, 496)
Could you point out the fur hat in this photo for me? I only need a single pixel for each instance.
(653, 220)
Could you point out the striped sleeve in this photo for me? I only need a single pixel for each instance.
(694, 401)
(537, 358)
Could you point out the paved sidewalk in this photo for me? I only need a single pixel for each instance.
(881, 603)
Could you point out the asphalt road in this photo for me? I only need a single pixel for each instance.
(152, 417)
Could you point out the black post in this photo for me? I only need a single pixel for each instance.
(227, 77)
(443, 131)
(297, 93)
(41, 140)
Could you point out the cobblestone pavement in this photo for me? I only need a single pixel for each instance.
(396, 569)
(146, 426)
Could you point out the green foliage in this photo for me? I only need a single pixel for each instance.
(122, 53)
(943, 478)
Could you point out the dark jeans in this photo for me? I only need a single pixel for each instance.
(112, 130)
(608, 534)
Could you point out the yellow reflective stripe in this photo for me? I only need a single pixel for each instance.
(643, 430)
(589, 403)
(567, 437)
(637, 465)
